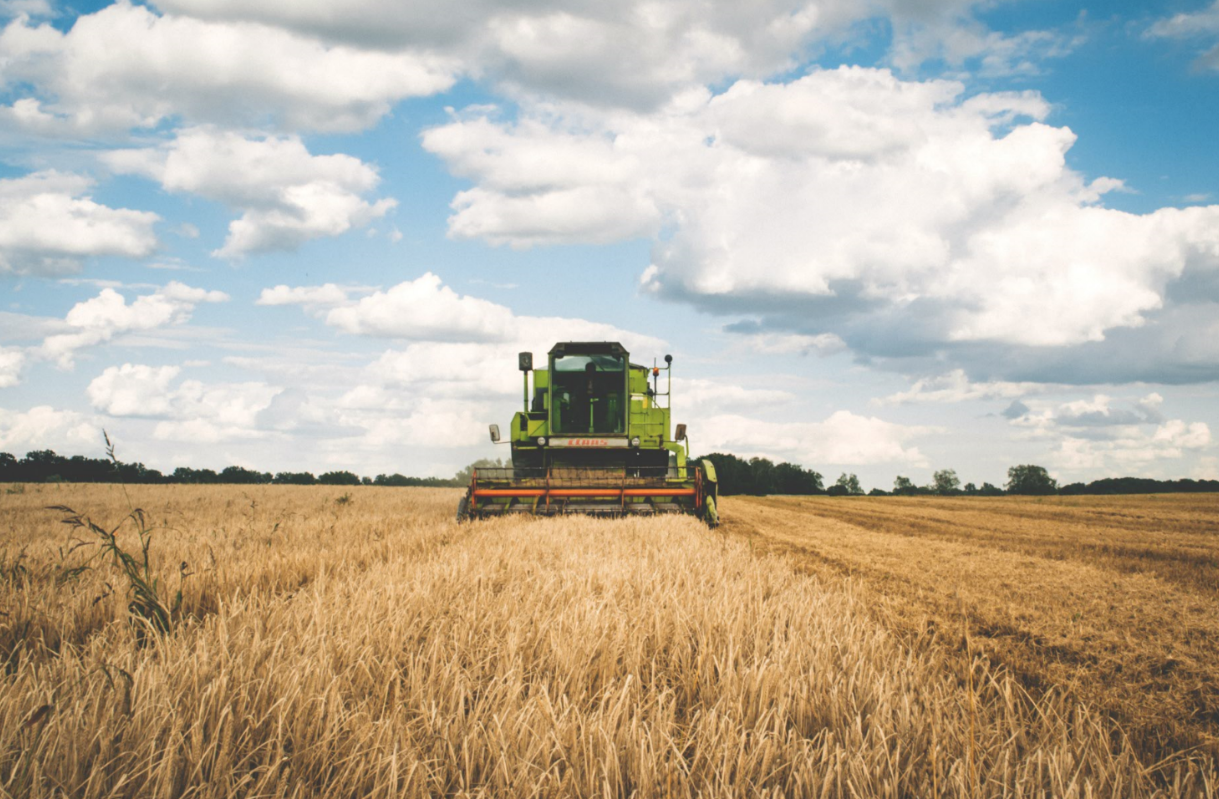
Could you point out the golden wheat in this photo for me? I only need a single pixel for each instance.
(1111, 597)
(372, 647)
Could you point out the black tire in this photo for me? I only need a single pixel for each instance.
(463, 509)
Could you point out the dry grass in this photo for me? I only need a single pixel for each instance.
(1113, 598)
(375, 648)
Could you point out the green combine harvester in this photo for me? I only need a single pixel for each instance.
(593, 439)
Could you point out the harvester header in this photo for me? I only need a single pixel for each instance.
(593, 437)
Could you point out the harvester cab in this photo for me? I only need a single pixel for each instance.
(594, 438)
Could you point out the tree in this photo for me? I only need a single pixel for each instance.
(464, 477)
(242, 476)
(990, 490)
(734, 474)
(793, 479)
(764, 479)
(759, 476)
(185, 474)
(1029, 479)
(904, 487)
(851, 483)
(341, 478)
(946, 482)
(295, 478)
(970, 488)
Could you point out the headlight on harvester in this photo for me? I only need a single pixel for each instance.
(541, 441)
(635, 441)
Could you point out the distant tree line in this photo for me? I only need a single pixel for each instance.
(758, 476)
(1140, 485)
(45, 466)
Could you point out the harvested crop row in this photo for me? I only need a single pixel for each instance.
(1050, 586)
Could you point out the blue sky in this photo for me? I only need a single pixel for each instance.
(881, 238)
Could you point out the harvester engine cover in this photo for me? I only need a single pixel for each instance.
(594, 438)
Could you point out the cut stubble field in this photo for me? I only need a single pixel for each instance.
(1114, 599)
(358, 642)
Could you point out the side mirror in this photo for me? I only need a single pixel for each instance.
(525, 361)
(494, 434)
(680, 435)
(669, 359)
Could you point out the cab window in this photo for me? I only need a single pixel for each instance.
(589, 394)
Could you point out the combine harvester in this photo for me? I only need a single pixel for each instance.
(595, 441)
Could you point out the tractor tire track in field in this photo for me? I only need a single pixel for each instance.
(1123, 616)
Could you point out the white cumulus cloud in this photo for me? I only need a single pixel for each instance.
(190, 410)
(1199, 25)
(1134, 452)
(843, 439)
(424, 309)
(955, 386)
(49, 223)
(98, 320)
(44, 427)
(1112, 436)
(287, 195)
(128, 67)
(847, 202)
(307, 296)
(12, 361)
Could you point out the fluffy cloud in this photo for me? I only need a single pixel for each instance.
(426, 310)
(1201, 25)
(48, 223)
(12, 361)
(133, 390)
(1134, 451)
(947, 32)
(303, 65)
(31, 8)
(44, 427)
(101, 318)
(893, 214)
(1099, 411)
(697, 397)
(287, 195)
(308, 296)
(957, 387)
(191, 410)
(125, 67)
(631, 53)
(426, 422)
(843, 439)
(1101, 435)
(792, 343)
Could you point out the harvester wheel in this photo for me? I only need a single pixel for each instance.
(463, 509)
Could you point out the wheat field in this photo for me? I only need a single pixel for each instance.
(1115, 599)
(358, 642)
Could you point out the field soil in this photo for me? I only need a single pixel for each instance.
(1112, 599)
(234, 641)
